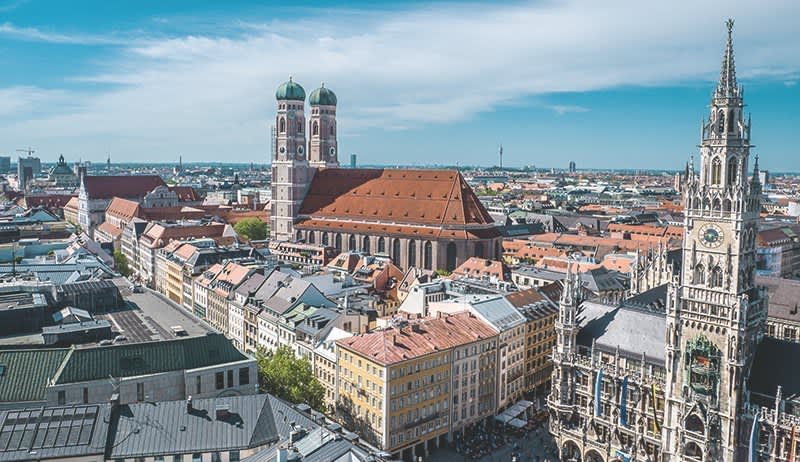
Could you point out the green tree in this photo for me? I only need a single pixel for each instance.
(121, 262)
(252, 228)
(289, 377)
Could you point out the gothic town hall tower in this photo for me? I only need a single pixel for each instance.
(715, 313)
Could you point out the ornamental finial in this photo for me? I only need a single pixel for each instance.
(729, 23)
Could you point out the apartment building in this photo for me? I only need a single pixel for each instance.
(540, 336)
(395, 385)
(509, 324)
(158, 235)
(220, 291)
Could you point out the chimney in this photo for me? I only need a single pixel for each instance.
(394, 339)
(282, 454)
(114, 401)
(189, 404)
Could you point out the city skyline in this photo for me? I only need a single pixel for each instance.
(158, 82)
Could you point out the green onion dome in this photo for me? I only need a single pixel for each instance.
(322, 97)
(290, 90)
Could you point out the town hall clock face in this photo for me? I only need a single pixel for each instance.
(711, 235)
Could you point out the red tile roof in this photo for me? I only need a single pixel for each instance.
(106, 187)
(419, 338)
(422, 202)
(124, 209)
(480, 267)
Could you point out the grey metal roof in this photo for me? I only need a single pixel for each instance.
(148, 429)
(635, 331)
(53, 432)
(497, 311)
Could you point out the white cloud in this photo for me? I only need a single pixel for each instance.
(33, 34)
(212, 97)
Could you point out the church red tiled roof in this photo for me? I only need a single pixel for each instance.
(426, 203)
(106, 187)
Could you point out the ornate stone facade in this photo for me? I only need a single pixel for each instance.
(695, 381)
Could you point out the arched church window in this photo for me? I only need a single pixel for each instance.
(333, 130)
(699, 274)
(695, 424)
(412, 253)
(721, 121)
(427, 255)
(365, 245)
(315, 129)
(716, 171)
(726, 205)
(337, 242)
(396, 251)
(324, 238)
(731, 171)
(478, 249)
(351, 243)
(381, 245)
(731, 123)
(716, 277)
(311, 238)
(451, 256)
(716, 206)
(282, 125)
(299, 126)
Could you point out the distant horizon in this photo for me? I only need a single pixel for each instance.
(536, 169)
(415, 80)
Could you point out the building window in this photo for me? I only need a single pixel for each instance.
(197, 384)
(381, 245)
(412, 253)
(282, 125)
(215, 457)
(140, 392)
(234, 456)
(716, 171)
(244, 376)
(85, 395)
(62, 398)
(197, 457)
(177, 458)
(219, 379)
(451, 256)
(230, 378)
(427, 255)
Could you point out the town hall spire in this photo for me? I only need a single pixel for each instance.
(727, 87)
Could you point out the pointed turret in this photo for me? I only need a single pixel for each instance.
(727, 87)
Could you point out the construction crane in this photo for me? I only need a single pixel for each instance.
(29, 151)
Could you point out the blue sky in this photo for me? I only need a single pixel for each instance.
(612, 84)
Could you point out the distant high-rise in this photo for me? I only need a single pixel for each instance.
(353, 162)
(5, 164)
(27, 169)
(572, 167)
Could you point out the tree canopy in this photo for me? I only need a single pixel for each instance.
(121, 262)
(251, 228)
(289, 377)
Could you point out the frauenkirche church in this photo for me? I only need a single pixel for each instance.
(425, 218)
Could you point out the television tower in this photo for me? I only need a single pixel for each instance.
(501, 156)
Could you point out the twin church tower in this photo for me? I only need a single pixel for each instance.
(299, 149)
